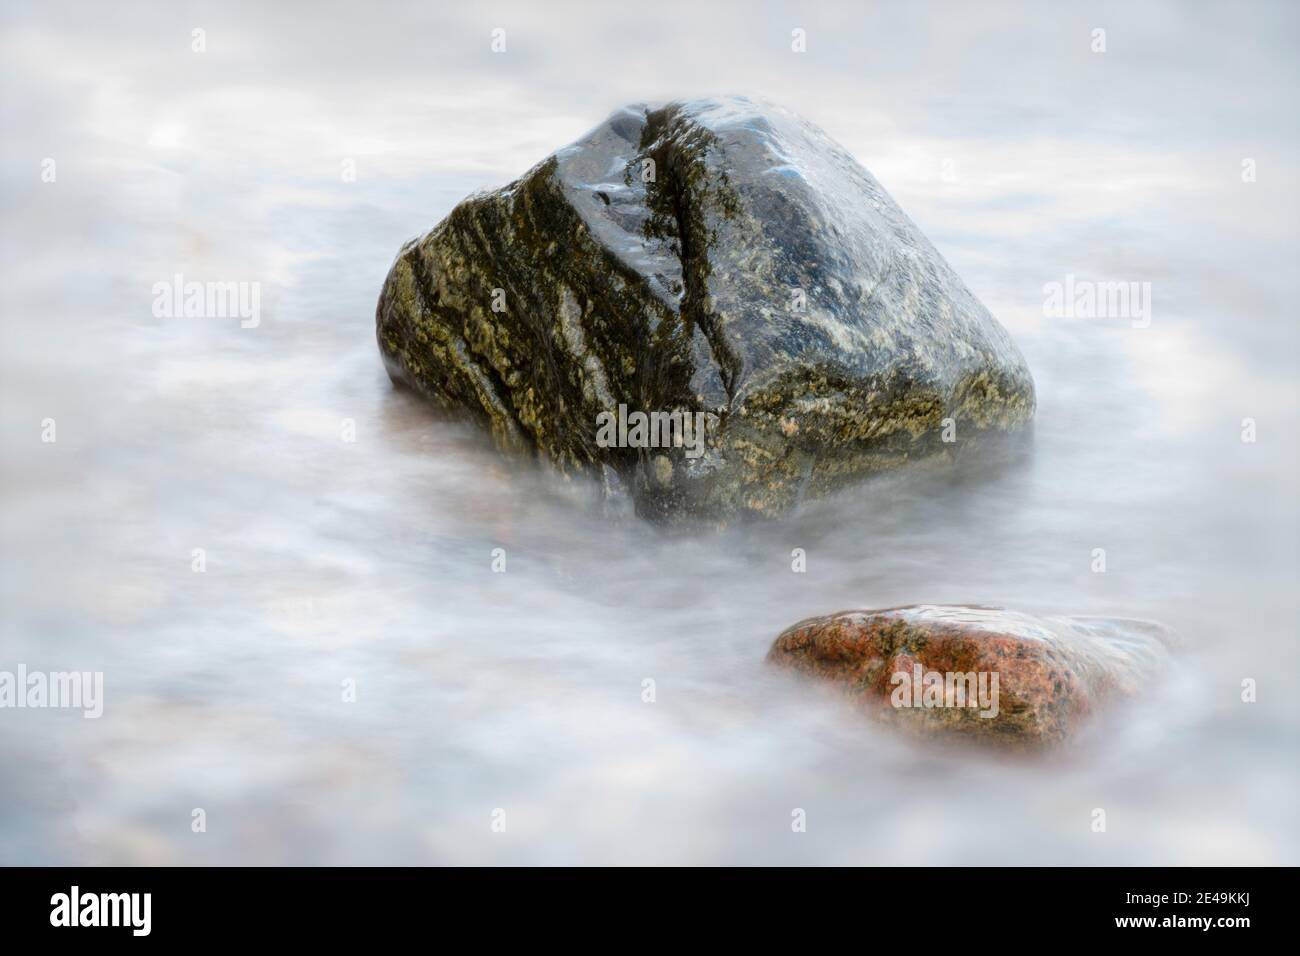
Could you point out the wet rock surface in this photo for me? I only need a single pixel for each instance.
(1005, 678)
(720, 256)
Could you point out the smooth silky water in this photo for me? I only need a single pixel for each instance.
(370, 561)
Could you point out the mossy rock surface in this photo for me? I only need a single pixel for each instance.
(1052, 673)
(717, 256)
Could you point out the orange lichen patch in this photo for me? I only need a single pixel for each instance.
(952, 652)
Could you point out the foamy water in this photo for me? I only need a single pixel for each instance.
(370, 561)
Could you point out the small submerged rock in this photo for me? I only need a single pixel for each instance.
(983, 673)
(720, 258)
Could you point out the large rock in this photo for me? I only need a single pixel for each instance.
(1035, 679)
(714, 256)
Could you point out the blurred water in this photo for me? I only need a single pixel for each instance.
(370, 560)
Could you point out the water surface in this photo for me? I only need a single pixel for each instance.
(370, 560)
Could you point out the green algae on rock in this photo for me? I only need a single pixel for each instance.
(717, 256)
(978, 673)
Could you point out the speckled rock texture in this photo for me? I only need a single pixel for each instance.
(720, 256)
(1053, 673)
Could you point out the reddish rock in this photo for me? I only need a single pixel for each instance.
(979, 673)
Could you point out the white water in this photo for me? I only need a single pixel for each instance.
(370, 560)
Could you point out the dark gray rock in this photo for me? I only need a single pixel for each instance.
(714, 256)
